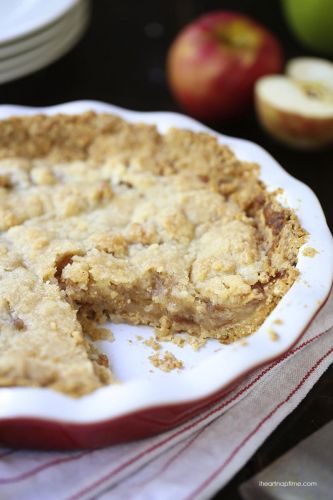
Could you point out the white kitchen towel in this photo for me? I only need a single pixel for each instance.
(192, 461)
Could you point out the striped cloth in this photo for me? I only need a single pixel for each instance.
(190, 462)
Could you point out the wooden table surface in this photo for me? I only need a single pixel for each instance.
(121, 60)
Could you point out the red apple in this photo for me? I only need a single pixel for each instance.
(215, 61)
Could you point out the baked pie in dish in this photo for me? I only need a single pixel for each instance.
(105, 219)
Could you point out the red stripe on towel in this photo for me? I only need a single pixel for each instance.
(39, 468)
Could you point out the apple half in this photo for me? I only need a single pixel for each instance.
(297, 108)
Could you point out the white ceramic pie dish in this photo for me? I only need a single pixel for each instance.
(213, 368)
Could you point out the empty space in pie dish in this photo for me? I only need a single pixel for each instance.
(129, 355)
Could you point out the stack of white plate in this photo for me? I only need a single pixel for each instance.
(34, 33)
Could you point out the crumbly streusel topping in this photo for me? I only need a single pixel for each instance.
(105, 219)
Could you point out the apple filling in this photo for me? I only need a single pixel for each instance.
(180, 236)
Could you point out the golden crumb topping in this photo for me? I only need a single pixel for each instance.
(103, 220)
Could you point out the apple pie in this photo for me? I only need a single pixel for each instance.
(107, 220)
